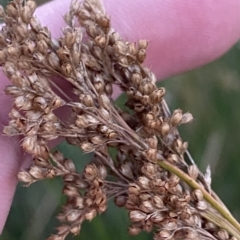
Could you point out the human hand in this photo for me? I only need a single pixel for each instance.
(183, 35)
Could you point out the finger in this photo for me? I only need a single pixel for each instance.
(11, 158)
(182, 34)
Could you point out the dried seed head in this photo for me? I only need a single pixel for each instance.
(75, 230)
(81, 121)
(134, 189)
(165, 129)
(87, 147)
(12, 10)
(142, 44)
(137, 216)
(26, 14)
(97, 140)
(136, 79)
(70, 39)
(66, 69)
(201, 205)
(13, 51)
(134, 230)
(25, 177)
(103, 22)
(141, 55)
(193, 171)
(197, 195)
(69, 165)
(36, 172)
(53, 60)
(32, 5)
(100, 41)
(42, 47)
(70, 190)
(89, 215)
(151, 154)
(158, 95)
(186, 118)
(144, 182)
(158, 202)
(73, 215)
(35, 24)
(176, 117)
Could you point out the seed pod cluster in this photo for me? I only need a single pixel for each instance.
(64, 88)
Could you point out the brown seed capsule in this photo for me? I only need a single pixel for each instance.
(35, 24)
(201, 205)
(136, 78)
(13, 51)
(21, 31)
(132, 50)
(92, 31)
(165, 129)
(69, 165)
(70, 190)
(142, 44)
(26, 14)
(73, 215)
(32, 5)
(99, 87)
(197, 195)
(11, 10)
(176, 117)
(104, 113)
(87, 147)
(82, 121)
(100, 41)
(25, 177)
(186, 118)
(66, 69)
(103, 22)
(157, 95)
(141, 55)
(134, 230)
(193, 171)
(36, 172)
(70, 39)
(151, 155)
(123, 61)
(89, 215)
(133, 188)
(137, 216)
(53, 60)
(42, 47)
(144, 182)
(75, 229)
(120, 47)
(97, 140)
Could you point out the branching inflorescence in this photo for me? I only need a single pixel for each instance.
(149, 175)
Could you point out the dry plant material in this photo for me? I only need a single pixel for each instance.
(151, 175)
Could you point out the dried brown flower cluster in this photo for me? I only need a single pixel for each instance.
(149, 175)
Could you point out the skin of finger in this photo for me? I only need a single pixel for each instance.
(182, 35)
(11, 157)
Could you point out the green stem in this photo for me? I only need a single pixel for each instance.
(191, 182)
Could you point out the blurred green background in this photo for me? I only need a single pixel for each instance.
(212, 95)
